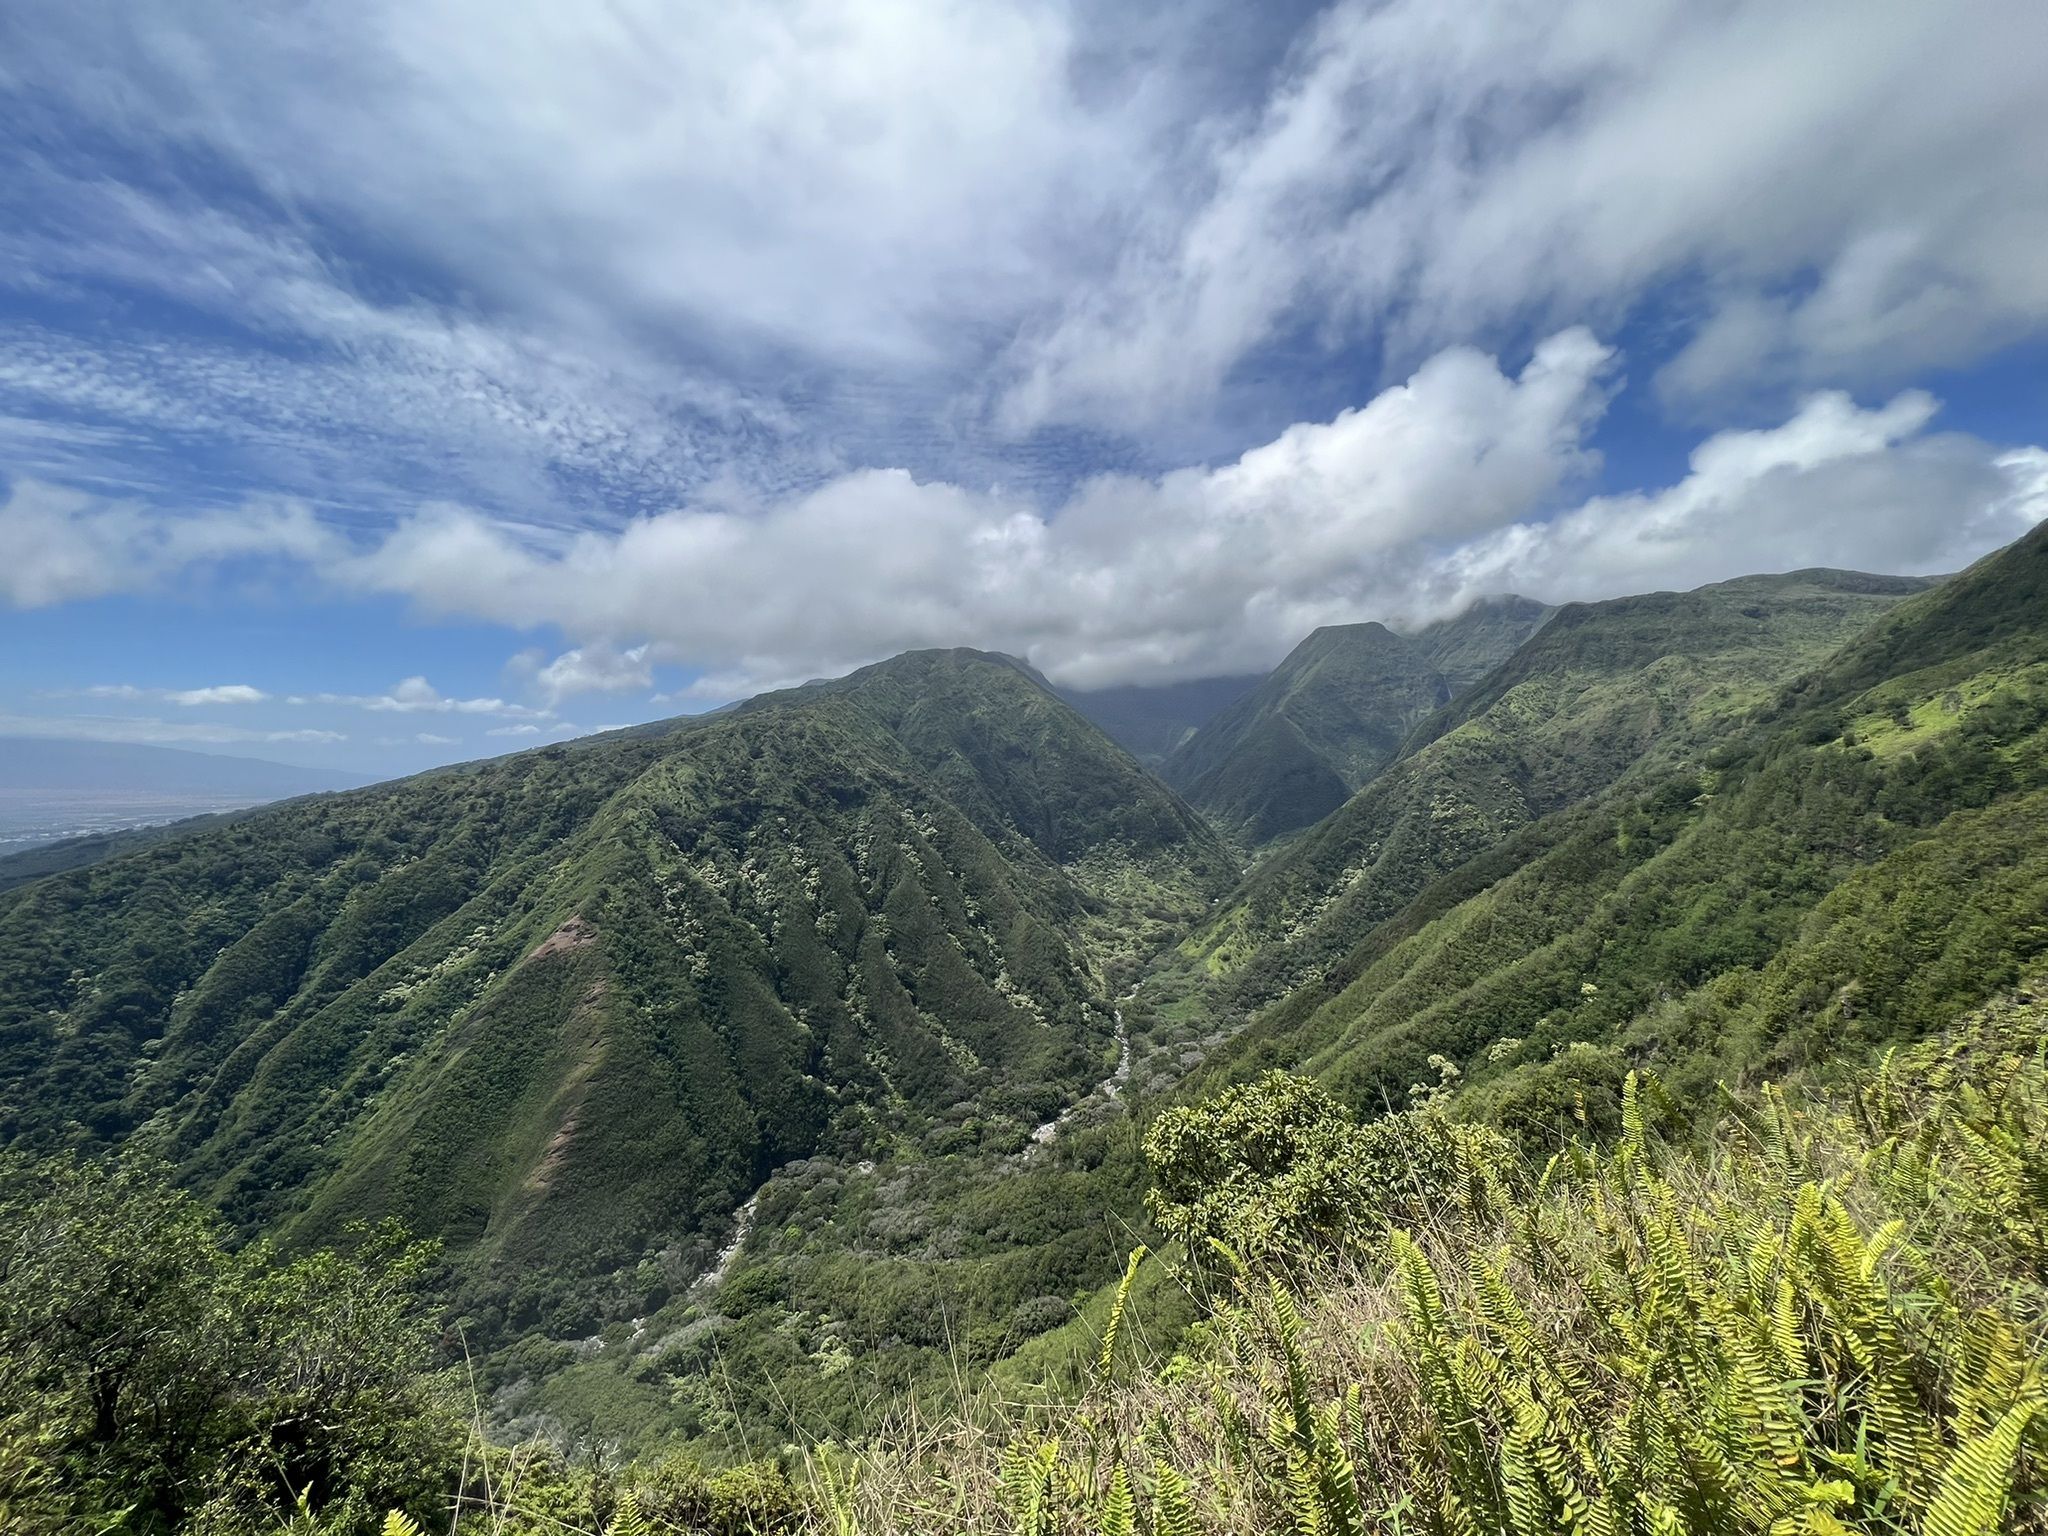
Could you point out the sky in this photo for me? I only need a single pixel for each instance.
(409, 381)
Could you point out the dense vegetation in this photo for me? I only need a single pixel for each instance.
(1329, 717)
(566, 1011)
(1604, 691)
(1467, 646)
(155, 1378)
(1333, 714)
(1817, 1316)
(909, 988)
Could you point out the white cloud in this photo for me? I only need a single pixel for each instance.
(224, 693)
(415, 695)
(632, 228)
(154, 731)
(1853, 189)
(59, 545)
(597, 668)
(1465, 478)
(513, 730)
(646, 255)
(1439, 489)
(429, 739)
(841, 177)
(190, 698)
(1196, 569)
(1834, 486)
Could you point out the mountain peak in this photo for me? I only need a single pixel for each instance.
(1321, 724)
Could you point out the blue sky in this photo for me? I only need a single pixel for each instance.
(390, 384)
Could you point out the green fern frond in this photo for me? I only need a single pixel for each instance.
(1116, 1311)
(1119, 1509)
(1173, 1505)
(1978, 1483)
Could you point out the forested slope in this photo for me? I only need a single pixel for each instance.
(567, 1009)
(1324, 722)
(1601, 691)
(1862, 861)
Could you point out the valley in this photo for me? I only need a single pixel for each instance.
(761, 1073)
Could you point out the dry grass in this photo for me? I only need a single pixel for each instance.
(1832, 1318)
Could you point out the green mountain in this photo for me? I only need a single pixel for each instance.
(1854, 856)
(1148, 720)
(877, 982)
(1333, 714)
(567, 1009)
(1600, 691)
(1468, 645)
(1324, 722)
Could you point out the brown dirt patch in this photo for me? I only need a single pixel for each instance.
(574, 934)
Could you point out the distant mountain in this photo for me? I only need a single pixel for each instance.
(1323, 723)
(1467, 646)
(1333, 713)
(1600, 689)
(1680, 831)
(65, 804)
(1150, 720)
(37, 763)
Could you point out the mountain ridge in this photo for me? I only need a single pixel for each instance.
(1334, 713)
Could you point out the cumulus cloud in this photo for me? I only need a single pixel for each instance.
(1452, 484)
(1197, 569)
(1836, 485)
(59, 545)
(598, 668)
(1465, 478)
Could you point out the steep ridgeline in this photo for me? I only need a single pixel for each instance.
(1334, 713)
(1324, 722)
(1471, 644)
(567, 1009)
(1149, 720)
(1601, 689)
(1770, 878)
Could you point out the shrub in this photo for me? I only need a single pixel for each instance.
(1276, 1168)
(1827, 1317)
(167, 1374)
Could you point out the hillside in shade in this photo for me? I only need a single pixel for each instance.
(1333, 714)
(1149, 720)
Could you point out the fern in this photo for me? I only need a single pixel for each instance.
(1978, 1483)
(1119, 1509)
(629, 1520)
(1173, 1506)
(1116, 1312)
(1028, 1486)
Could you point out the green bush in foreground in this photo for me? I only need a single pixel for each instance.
(155, 1379)
(1277, 1169)
(1832, 1319)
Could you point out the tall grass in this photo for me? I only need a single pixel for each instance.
(1827, 1314)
